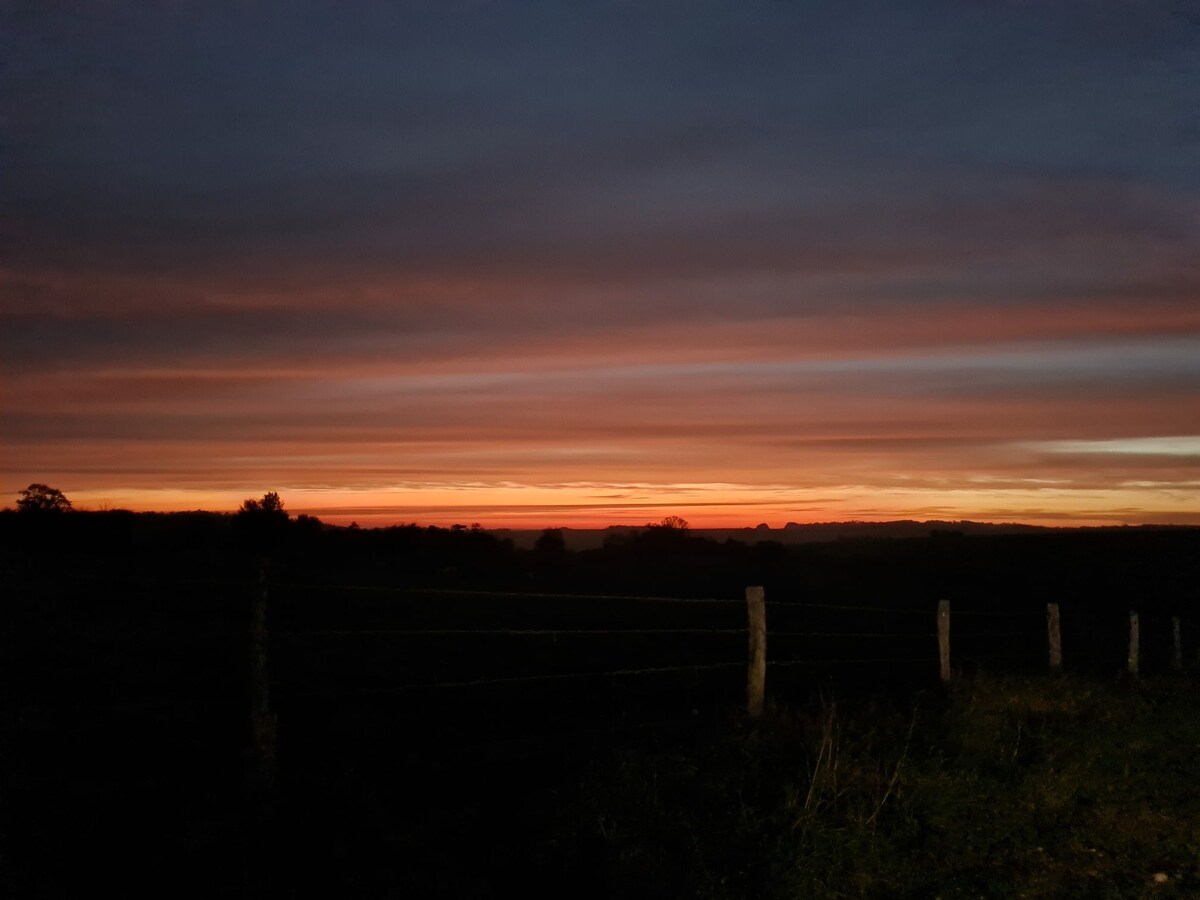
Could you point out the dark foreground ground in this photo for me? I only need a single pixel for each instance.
(1005, 787)
(124, 726)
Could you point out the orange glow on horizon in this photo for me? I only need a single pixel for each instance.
(702, 505)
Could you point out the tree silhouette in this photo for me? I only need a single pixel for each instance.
(270, 505)
(41, 498)
(262, 523)
(551, 543)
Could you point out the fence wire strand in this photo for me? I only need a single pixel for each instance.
(381, 589)
(509, 632)
(849, 634)
(838, 607)
(857, 660)
(511, 679)
(995, 634)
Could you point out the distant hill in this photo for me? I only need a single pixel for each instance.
(832, 531)
(791, 533)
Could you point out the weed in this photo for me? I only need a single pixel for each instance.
(1029, 787)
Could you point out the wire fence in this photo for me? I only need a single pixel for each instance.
(453, 670)
(789, 607)
(930, 633)
(550, 633)
(384, 649)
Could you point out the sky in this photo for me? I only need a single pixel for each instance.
(533, 264)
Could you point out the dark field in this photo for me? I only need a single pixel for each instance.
(126, 665)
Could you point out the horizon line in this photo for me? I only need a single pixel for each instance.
(343, 519)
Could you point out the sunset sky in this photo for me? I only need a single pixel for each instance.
(587, 263)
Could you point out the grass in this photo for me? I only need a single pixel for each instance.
(1009, 787)
(1005, 787)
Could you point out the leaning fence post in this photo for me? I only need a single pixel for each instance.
(756, 675)
(943, 626)
(1176, 645)
(1133, 644)
(1054, 634)
(262, 721)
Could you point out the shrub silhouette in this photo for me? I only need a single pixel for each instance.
(675, 522)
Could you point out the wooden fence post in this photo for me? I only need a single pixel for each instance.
(1054, 633)
(1176, 645)
(943, 627)
(756, 676)
(1133, 644)
(262, 721)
